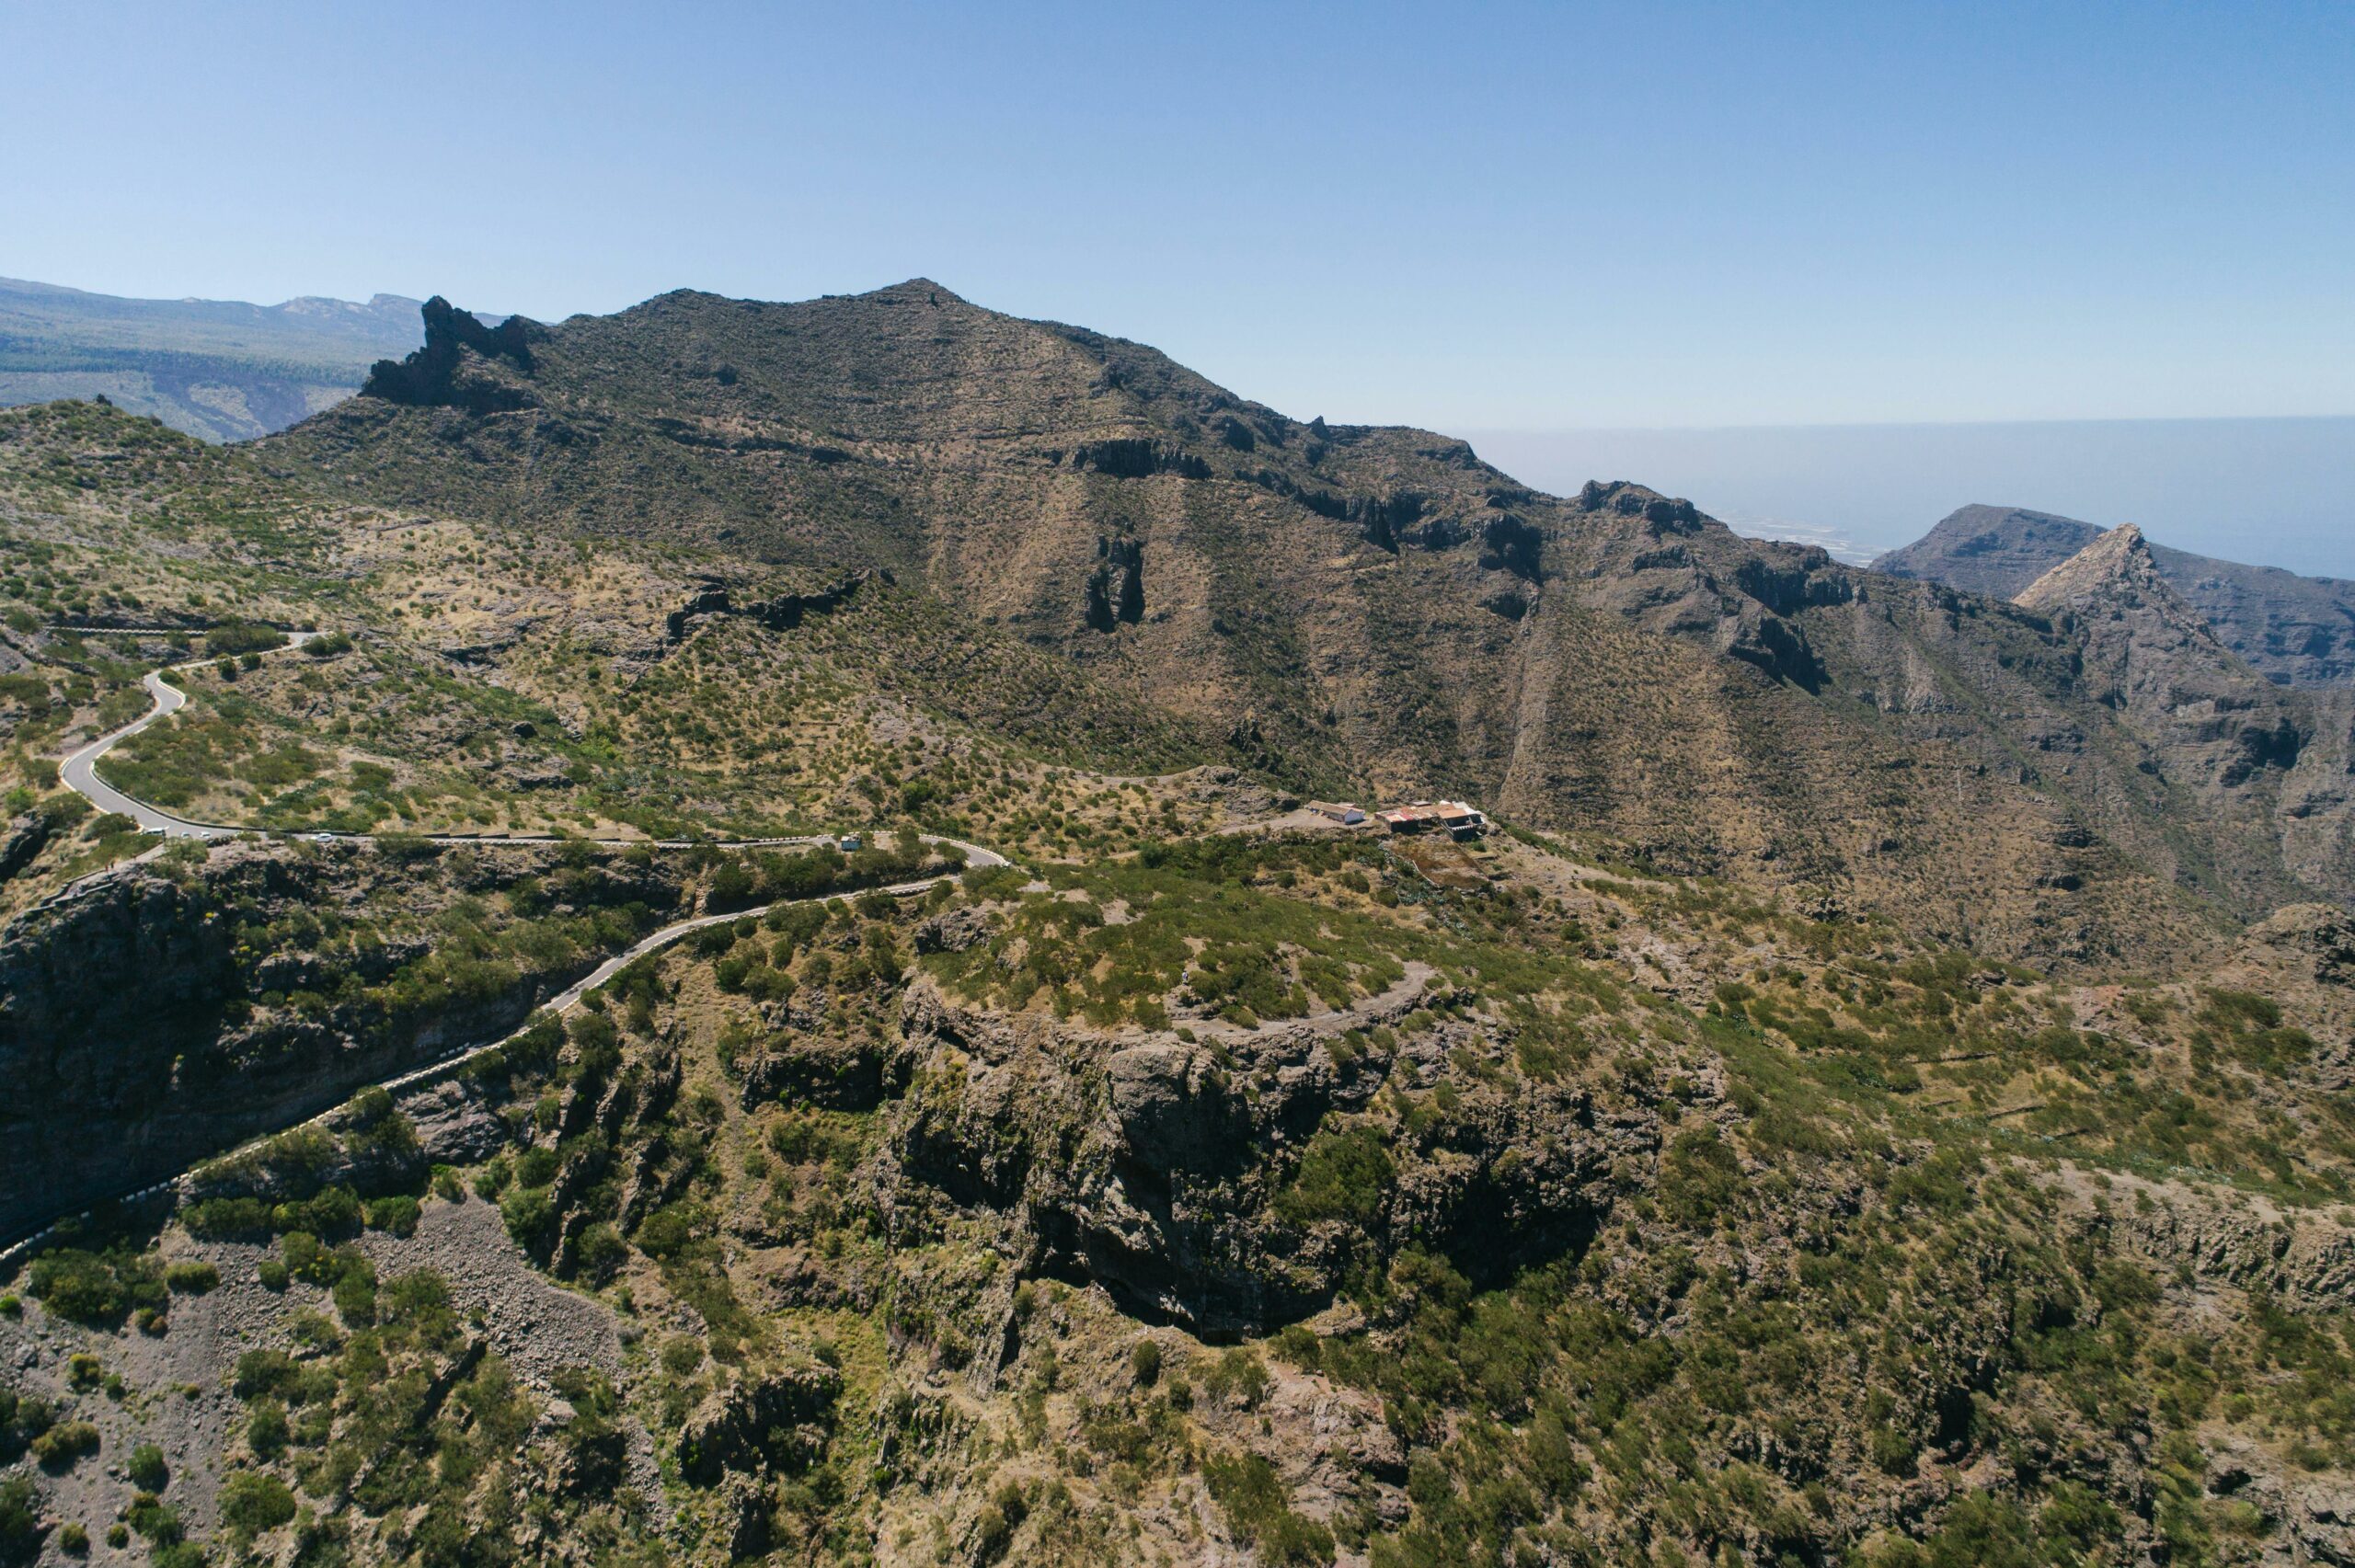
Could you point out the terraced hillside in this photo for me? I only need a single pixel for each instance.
(1879, 1097)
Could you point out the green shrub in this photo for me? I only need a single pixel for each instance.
(1238, 1374)
(665, 1232)
(92, 1289)
(355, 1294)
(335, 1211)
(266, 1430)
(528, 1211)
(1343, 1176)
(227, 1218)
(1258, 1509)
(533, 1049)
(1700, 1179)
(147, 1469)
(19, 1519)
(398, 1214)
(999, 1518)
(242, 637)
(601, 1251)
(64, 1443)
(253, 1503)
(192, 1278)
(1891, 1451)
(536, 1168)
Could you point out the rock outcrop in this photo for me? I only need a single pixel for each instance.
(2296, 631)
(775, 1420)
(1116, 587)
(464, 364)
(1159, 1168)
(779, 612)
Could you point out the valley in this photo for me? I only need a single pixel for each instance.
(1876, 1094)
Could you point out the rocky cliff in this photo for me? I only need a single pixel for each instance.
(1362, 608)
(2250, 757)
(171, 1010)
(1168, 1171)
(2296, 631)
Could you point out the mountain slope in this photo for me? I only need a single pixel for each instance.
(1219, 1183)
(2298, 631)
(2259, 761)
(218, 368)
(1356, 608)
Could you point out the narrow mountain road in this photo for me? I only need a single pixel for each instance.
(17, 1252)
(79, 773)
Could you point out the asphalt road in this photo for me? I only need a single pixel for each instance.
(79, 772)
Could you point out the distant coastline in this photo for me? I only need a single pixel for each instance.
(2276, 492)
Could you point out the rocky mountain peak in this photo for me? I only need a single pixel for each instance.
(2214, 723)
(2118, 563)
(2297, 631)
(462, 364)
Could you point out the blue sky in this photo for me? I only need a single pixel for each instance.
(1485, 216)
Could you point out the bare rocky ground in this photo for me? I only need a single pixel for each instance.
(177, 1384)
(537, 1325)
(177, 1393)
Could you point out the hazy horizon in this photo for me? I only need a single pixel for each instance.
(2276, 492)
(1728, 217)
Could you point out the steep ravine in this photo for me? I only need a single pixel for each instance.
(176, 1009)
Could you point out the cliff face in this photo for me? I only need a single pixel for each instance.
(1155, 1169)
(163, 1016)
(2296, 631)
(1354, 608)
(2255, 761)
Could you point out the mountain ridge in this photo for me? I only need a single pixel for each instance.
(1368, 608)
(2299, 631)
(223, 369)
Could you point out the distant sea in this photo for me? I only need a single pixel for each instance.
(2275, 492)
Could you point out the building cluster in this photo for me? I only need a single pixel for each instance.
(1457, 820)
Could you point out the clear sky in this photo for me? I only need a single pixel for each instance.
(1477, 216)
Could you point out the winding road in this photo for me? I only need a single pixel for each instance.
(79, 773)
